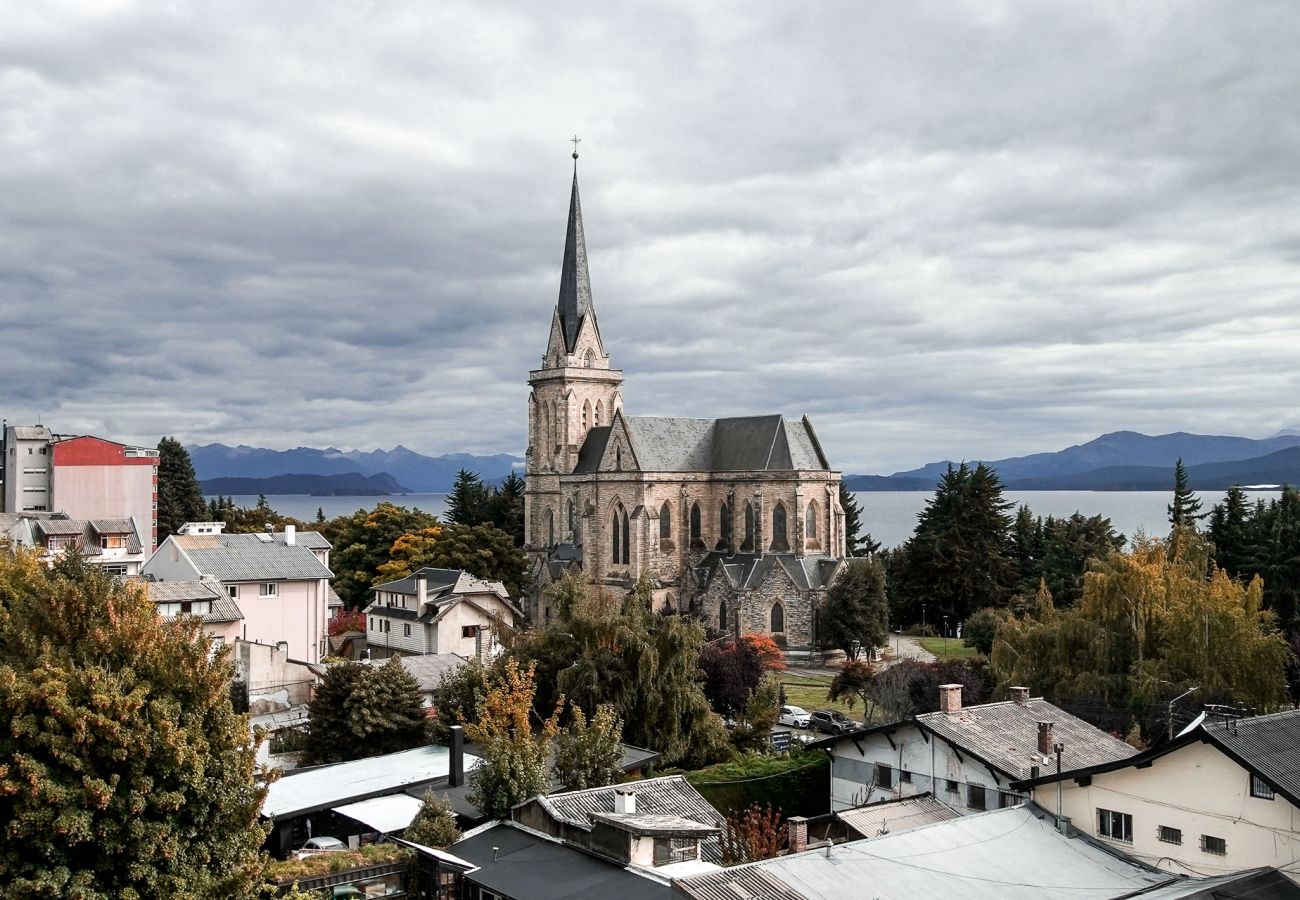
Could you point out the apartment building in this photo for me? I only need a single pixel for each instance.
(112, 544)
(439, 611)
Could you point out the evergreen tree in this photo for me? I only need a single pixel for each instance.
(361, 711)
(320, 514)
(857, 542)
(506, 508)
(124, 771)
(855, 616)
(180, 498)
(435, 824)
(467, 504)
(1229, 529)
(458, 698)
(590, 754)
(1185, 511)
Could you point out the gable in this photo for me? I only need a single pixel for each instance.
(619, 454)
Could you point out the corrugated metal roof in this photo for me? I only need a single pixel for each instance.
(330, 786)
(1008, 854)
(1269, 744)
(176, 591)
(742, 883)
(384, 814)
(894, 816)
(641, 823)
(1006, 735)
(427, 668)
(1256, 884)
(246, 557)
(437, 581)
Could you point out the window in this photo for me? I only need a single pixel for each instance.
(779, 541)
(388, 626)
(114, 569)
(952, 786)
(722, 615)
(550, 528)
(573, 527)
(469, 631)
(586, 415)
(778, 618)
(406, 629)
(975, 796)
(112, 541)
(1006, 798)
(724, 526)
(810, 521)
(665, 527)
(695, 526)
(1259, 788)
(1169, 835)
(618, 457)
(372, 623)
(615, 537)
(167, 610)
(884, 777)
(1115, 825)
(1216, 845)
(904, 776)
(199, 607)
(233, 591)
(747, 545)
(268, 589)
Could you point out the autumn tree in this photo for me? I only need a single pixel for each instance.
(589, 753)
(362, 543)
(1185, 510)
(361, 710)
(180, 498)
(753, 835)
(855, 615)
(732, 670)
(513, 757)
(759, 716)
(483, 551)
(124, 771)
(435, 824)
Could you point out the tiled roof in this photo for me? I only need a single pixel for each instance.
(894, 816)
(62, 526)
(89, 531)
(31, 433)
(224, 609)
(739, 444)
(332, 598)
(1006, 735)
(247, 557)
(1269, 745)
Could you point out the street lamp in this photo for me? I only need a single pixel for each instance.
(945, 637)
(1171, 708)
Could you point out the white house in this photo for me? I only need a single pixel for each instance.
(1222, 797)
(967, 757)
(439, 611)
(281, 581)
(113, 545)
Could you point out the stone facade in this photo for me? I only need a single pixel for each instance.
(675, 499)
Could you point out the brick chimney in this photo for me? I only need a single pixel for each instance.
(624, 800)
(796, 830)
(1045, 738)
(1020, 695)
(950, 698)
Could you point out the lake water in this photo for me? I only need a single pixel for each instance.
(889, 516)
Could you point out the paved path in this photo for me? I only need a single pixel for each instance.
(908, 648)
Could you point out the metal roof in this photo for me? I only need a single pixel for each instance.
(1007, 854)
(893, 816)
(1255, 884)
(640, 823)
(427, 668)
(1268, 745)
(384, 814)
(329, 786)
(175, 591)
(437, 581)
(247, 557)
(31, 433)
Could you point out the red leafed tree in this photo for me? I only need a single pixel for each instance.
(752, 835)
(769, 654)
(347, 620)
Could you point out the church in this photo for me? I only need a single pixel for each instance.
(736, 520)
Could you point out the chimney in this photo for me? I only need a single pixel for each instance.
(950, 698)
(796, 830)
(625, 800)
(1020, 695)
(1045, 738)
(456, 773)
(421, 590)
(290, 535)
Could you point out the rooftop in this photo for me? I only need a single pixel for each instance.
(250, 557)
(893, 816)
(427, 668)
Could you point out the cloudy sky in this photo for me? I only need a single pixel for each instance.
(943, 230)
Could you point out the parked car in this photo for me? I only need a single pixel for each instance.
(796, 716)
(829, 721)
(321, 844)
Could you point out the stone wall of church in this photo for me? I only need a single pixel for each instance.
(754, 609)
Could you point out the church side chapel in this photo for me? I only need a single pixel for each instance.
(736, 519)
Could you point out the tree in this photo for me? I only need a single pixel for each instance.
(458, 698)
(981, 629)
(506, 508)
(1230, 531)
(956, 560)
(483, 551)
(854, 617)
(513, 758)
(854, 683)
(435, 824)
(250, 520)
(762, 710)
(467, 504)
(1185, 511)
(732, 670)
(180, 498)
(857, 541)
(124, 771)
(755, 834)
(362, 543)
(361, 711)
(589, 754)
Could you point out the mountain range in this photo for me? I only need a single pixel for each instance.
(410, 472)
(1126, 461)
(348, 484)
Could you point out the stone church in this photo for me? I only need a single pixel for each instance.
(736, 520)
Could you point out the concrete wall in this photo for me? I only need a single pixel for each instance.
(1197, 790)
(27, 465)
(274, 681)
(97, 479)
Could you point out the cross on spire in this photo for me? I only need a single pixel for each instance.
(575, 141)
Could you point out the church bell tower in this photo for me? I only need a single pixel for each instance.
(573, 392)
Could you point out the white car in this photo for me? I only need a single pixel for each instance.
(794, 715)
(320, 845)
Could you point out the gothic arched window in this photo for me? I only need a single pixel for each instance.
(615, 537)
(600, 412)
(747, 545)
(779, 541)
(588, 359)
(724, 526)
(627, 541)
(573, 529)
(550, 528)
(722, 616)
(810, 521)
(618, 457)
(696, 541)
(586, 415)
(778, 619)
(665, 526)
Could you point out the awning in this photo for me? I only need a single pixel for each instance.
(384, 814)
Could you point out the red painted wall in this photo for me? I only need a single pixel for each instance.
(93, 451)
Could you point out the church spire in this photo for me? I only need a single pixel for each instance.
(575, 285)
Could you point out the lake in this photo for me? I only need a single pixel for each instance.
(889, 516)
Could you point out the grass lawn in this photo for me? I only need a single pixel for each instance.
(950, 648)
(809, 691)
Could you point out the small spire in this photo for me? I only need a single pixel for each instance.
(575, 140)
(575, 285)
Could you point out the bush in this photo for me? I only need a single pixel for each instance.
(921, 631)
(796, 785)
(981, 629)
(284, 871)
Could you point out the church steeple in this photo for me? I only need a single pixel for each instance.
(575, 284)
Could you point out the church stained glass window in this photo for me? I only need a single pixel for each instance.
(722, 615)
(615, 536)
(696, 540)
(665, 525)
(747, 545)
(627, 541)
(779, 541)
(724, 526)
(810, 521)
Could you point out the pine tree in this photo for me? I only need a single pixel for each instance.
(506, 507)
(1229, 529)
(467, 504)
(1185, 511)
(180, 498)
(857, 542)
(124, 771)
(320, 514)
(855, 616)
(435, 824)
(361, 711)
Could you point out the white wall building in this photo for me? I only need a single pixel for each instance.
(439, 611)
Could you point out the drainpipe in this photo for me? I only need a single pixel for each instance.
(1060, 824)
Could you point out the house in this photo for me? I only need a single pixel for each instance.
(439, 611)
(219, 613)
(966, 757)
(82, 476)
(1224, 796)
(1005, 854)
(280, 580)
(113, 545)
